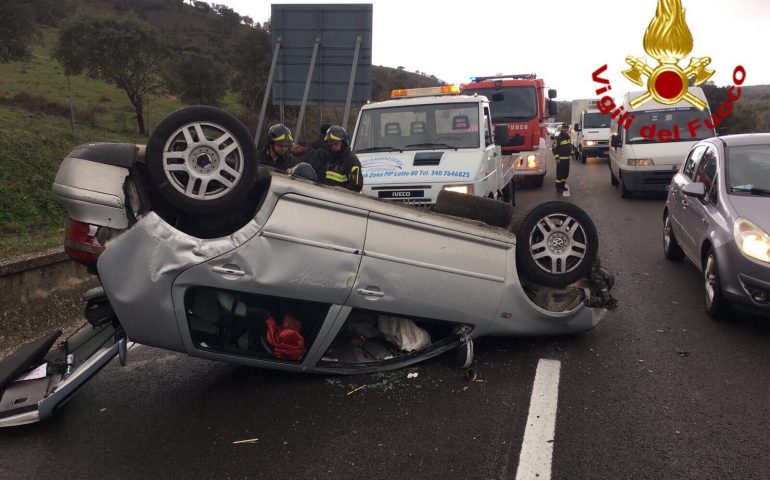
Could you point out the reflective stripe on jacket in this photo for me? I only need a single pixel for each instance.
(562, 146)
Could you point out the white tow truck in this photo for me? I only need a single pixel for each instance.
(426, 140)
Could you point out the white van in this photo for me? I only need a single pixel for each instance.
(427, 140)
(646, 155)
(592, 132)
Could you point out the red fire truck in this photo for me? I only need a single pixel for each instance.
(519, 102)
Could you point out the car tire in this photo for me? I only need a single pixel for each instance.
(671, 248)
(624, 192)
(556, 236)
(583, 157)
(537, 182)
(492, 212)
(201, 160)
(613, 178)
(716, 304)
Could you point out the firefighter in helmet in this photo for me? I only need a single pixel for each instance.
(277, 153)
(342, 166)
(562, 150)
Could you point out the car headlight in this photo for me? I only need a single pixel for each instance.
(640, 162)
(531, 161)
(589, 143)
(466, 189)
(752, 241)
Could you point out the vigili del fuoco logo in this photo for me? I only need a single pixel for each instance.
(668, 40)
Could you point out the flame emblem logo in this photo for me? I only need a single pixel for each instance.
(668, 40)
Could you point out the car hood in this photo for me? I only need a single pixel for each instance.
(754, 208)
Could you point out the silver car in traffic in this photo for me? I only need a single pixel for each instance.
(718, 215)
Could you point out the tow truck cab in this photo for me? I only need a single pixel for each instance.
(426, 140)
(519, 103)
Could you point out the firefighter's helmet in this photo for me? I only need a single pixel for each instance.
(281, 135)
(336, 134)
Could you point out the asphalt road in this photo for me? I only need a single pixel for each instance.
(657, 390)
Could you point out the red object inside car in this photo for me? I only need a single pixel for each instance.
(286, 340)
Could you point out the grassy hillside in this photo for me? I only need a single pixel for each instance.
(36, 133)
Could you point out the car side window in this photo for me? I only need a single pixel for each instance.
(706, 171)
(487, 127)
(713, 194)
(692, 160)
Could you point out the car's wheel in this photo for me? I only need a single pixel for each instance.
(556, 244)
(624, 192)
(492, 212)
(201, 160)
(583, 157)
(537, 182)
(671, 248)
(716, 304)
(613, 178)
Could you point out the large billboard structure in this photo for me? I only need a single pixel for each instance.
(322, 55)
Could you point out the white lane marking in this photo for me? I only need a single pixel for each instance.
(537, 447)
(566, 193)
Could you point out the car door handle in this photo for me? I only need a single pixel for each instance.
(229, 271)
(370, 293)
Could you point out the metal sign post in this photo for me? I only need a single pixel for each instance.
(276, 50)
(298, 130)
(351, 82)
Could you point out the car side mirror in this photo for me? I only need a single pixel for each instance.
(501, 134)
(551, 93)
(696, 190)
(577, 127)
(615, 140)
(551, 108)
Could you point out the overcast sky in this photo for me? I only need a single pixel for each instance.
(562, 41)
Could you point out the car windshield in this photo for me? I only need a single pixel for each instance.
(596, 120)
(748, 169)
(668, 119)
(509, 104)
(418, 127)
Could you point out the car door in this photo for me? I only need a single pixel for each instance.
(36, 379)
(425, 270)
(301, 265)
(677, 202)
(698, 214)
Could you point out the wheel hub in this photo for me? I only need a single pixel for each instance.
(204, 160)
(558, 243)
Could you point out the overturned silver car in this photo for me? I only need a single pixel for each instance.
(199, 251)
